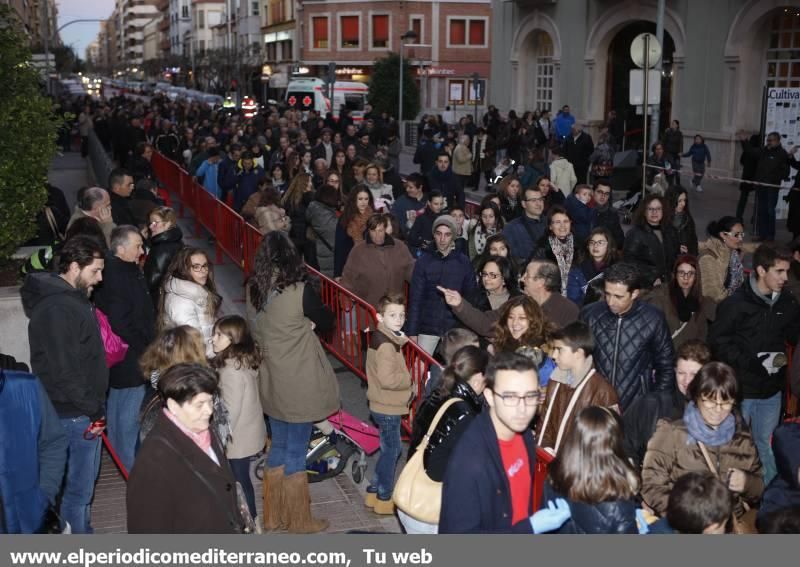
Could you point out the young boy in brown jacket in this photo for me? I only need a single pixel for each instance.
(389, 393)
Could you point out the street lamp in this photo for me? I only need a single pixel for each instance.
(410, 34)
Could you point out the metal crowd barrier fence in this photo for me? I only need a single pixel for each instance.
(99, 159)
(355, 319)
(471, 209)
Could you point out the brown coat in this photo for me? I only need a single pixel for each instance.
(373, 271)
(714, 260)
(669, 457)
(597, 392)
(389, 382)
(296, 381)
(696, 327)
(175, 487)
(559, 310)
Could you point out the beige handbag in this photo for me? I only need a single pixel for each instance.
(415, 493)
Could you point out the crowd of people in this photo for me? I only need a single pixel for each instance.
(650, 365)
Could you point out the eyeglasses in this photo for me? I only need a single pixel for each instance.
(711, 404)
(598, 243)
(735, 234)
(489, 275)
(512, 400)
(686, 273)
(200, 267)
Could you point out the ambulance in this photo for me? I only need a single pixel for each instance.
(312, 94)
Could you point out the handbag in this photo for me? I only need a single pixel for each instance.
(744, 524)
(115, 347)
(415, 493)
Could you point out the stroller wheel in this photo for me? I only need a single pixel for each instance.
(260, 465)
(357, 471)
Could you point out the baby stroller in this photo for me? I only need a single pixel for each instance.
(625, 207)
(340, 439)
(506, 167)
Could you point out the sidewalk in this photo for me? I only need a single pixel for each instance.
(338, 500)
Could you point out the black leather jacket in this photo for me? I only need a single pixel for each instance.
(652, 255)
(634, 351)
(163, 248)
(447, 431)
(611, 517)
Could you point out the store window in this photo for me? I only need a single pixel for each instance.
(350, 32)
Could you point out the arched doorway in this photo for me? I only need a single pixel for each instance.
(618, 80)
(535, 64)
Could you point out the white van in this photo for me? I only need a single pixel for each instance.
(312, 94)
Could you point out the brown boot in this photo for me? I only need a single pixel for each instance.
(297, 504)
(274, 510)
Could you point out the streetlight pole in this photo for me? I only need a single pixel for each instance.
(411, 34)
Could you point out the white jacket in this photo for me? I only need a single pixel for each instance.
(562, 174)
(186, 303)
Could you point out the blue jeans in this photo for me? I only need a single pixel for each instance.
(766, 201)
(241, 472)
(122, 417)
(289, 445)
(83, 466)
(763, 415)
(383, 479)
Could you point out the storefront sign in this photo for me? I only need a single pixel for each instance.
(435, 71)
(349, 71)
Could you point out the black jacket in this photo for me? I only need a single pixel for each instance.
(784, 490)
(634, 351)
(176, 488)
(449, 429)
(578, 152)
(609, 219)
(747, 325)
(687, 236)
(612, 517)
(163, 248)
(123, 297)
(448, 185)
(421, 233)
(772, 165)
(641, 417)
(121, 211)
(476, 496)
(653, 257)
(67, 352)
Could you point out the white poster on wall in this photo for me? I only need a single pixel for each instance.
(783, 116)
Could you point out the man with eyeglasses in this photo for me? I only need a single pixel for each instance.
(606, 215)
(772, 168)
(750, 334)
(524, 232)
(488, 483)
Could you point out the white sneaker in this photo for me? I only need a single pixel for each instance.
(699, 189)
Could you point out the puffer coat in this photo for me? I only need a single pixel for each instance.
(163, 248)
(670, 455)
(634, 350)
(186, 303)
(612, 517)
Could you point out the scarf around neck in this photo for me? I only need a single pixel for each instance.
(735, 272)
(564, 251)
(202, 440)
(355, 229)
(699, 431)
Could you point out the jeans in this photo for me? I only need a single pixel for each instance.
(289, 445)
(383, 479)
(766, 202)
(83, 466)
(241, 472)
(122, 416)
(763, 415)
(742, 204)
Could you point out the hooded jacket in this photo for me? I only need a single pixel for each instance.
(747, 325)
(67, 352)
(633, 350)
(784, 490)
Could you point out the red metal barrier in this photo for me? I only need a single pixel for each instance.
(543, 460)
(419, 364)
(206, 215)
(230, 233)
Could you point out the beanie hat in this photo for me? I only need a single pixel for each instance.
(446, 220)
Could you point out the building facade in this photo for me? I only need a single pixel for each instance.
(718, 55)
(453, 41)
(180, 22)
(204, 16)
(278, 31)
(132, 16)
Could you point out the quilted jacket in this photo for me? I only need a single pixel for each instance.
(611, 517)
(634, 350)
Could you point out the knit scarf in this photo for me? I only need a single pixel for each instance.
(686, 306)
(355, 229)
(202, 440)
(480, 238)
(735, 272)
(564, 251)
(700, 431)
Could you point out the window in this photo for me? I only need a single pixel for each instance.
(416, 25)
(543, 57)
(256, 8)
(467, 32)
(184, 11)
(380, 31)
(783, 53)
(201, 19)
(350, 32)
(319, 29)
